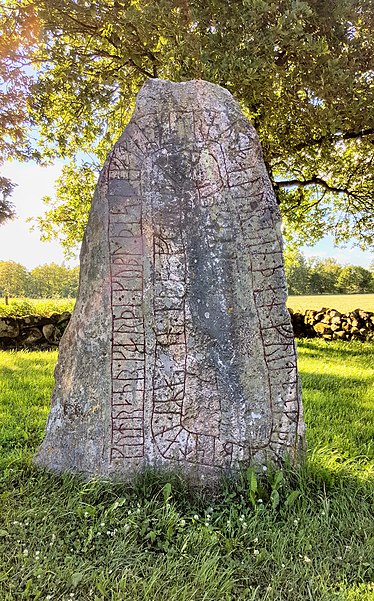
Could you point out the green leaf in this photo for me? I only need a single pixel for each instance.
(278, 478)
(292, 498)
(252, 480)
(166, 491)
(274, 498)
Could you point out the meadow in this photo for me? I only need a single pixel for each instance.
(341, 302)
(46, 306)
(19, 307)
(290, 535)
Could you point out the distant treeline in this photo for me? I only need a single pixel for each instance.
(45, 281)
(325, 276)
(304, 276)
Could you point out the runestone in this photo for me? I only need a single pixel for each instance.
(180, 351)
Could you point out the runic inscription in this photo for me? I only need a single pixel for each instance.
(128, 336)
(173, 438)
(180, 350)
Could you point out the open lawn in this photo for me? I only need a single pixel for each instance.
(340, 302)
(37, 306)
(296, 535)
(46, 306)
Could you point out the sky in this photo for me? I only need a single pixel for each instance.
(18, 243)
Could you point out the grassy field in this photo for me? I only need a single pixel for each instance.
(340, 302)
(304, 535)
(37, 306)
(46, 306)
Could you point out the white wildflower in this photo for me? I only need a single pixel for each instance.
(307, 559)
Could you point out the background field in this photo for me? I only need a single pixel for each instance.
(341, 302)
(290, 536)
(37, 306)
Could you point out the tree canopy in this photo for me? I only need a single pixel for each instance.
(324, 276)
(13, 278)
(44, 281)
(19, 29)
(302, 70)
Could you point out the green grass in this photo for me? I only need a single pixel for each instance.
(340, 302)
(302, 534)
(46, 306)
(35, 306)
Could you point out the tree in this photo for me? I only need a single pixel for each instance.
(70, 285)
(18, 34)
(297, 271)
(13, 278)
(302, 70)
(323, 275)
(355, 280)
(67, 216)
(49, 281)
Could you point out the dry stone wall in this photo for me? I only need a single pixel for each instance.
(330, 324)
(33, 331)
(40, 333)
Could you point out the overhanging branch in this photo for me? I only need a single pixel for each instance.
(348, 135)
(317, 181)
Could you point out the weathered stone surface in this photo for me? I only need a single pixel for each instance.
(32, 335)
(51, 333)
(9, 327)
(180, 350)
(322, 328)
(32, 331)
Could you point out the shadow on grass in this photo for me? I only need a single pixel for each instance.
(339, 415)
(314, 347)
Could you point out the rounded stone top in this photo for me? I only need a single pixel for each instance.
(162, 94)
